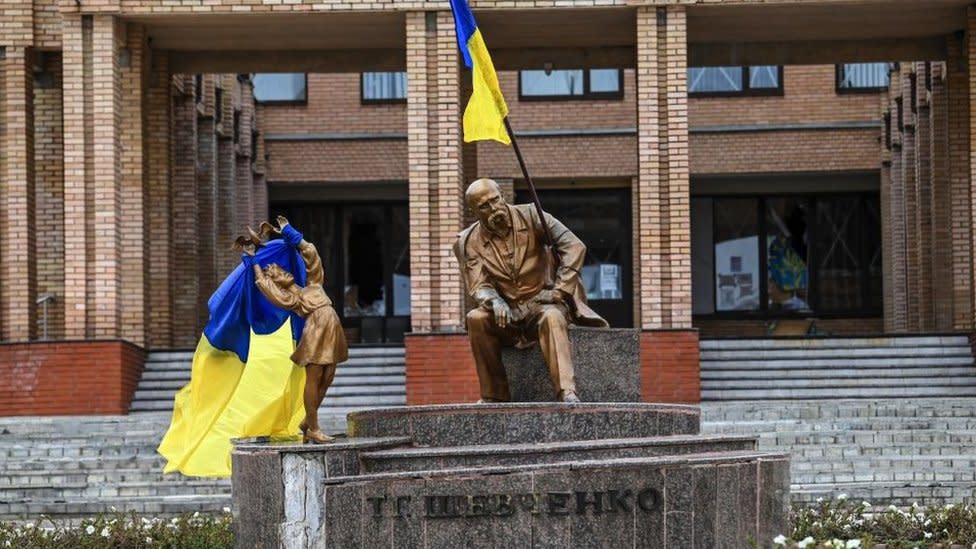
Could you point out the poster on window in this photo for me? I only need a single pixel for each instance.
(737, 274)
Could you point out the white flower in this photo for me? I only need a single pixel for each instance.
(852, 544)
(175, 520)
(226, 509)
(196, 514)
(112, 508)
(819, 500)
(6, 543)
(28, 526)
(866, 504)
(148, 539)
(927, 534)
(841, 497)
(146, 521)
(804, 542)
(90, 530)
(780, 540)
(105, 532)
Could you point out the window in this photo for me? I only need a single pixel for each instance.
(280, 87)
(774, 256)
(724, 81)
(571, 84)
(863, 76)
(383, 87)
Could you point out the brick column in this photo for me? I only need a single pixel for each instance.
(970, 55)
(923, 177)
(182, 224)
(895, 228)
(911, 211)
(941, 225)
(206, 221)
(133, 235)
(17, 219)
(159, 211)
(434, 153)
(93, 175)
(242, 171)
(958, 86)
(669, 346)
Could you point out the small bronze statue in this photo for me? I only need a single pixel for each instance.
(507, 269)
(323, 343)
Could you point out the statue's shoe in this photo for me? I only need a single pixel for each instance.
(317, 437)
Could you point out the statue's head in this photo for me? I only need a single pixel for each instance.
(486, 201)
(279, 276)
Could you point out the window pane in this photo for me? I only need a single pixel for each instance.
(714, 79)
(764, 77)
(380, 86)
(279, 87)
(365, 292)
(736, 254)
(871, 242)
(864, 75)
(538, 83)
(400, 248)
(839, 261)
(604, 81)
(787, 254)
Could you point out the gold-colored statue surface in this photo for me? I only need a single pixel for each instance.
(508, 271)
(323, 343)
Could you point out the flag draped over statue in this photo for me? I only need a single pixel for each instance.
(243, 382)
(484, 117)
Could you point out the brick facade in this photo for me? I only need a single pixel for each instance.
(124, 182)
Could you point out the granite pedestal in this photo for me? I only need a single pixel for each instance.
(606, 361)
(514, 475)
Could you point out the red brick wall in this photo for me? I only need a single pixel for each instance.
(669, 366)
(440, 368)
(68, 377)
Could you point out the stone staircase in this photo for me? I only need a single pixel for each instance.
(884, 451)
(837, 368)
(373, 376)
(83, 465)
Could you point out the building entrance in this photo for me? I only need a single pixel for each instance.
(365, 250)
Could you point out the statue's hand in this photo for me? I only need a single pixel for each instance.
(502, 312)
(282, 221)
(549, 296)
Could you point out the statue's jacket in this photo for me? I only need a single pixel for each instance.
(486, 274)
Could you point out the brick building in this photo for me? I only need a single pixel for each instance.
(734, 166)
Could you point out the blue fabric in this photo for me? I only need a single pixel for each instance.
(464, 27)
(238, 306)
(786, 267)
(291, 236)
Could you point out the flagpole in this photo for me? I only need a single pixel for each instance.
(535, 196)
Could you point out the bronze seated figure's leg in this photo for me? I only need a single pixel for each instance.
(486, 345)
(552, 327)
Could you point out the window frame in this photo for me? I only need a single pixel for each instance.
(386, 101)
(747, 90)
(839, 77)
(587, 95)
(284, 102)
(764, 312)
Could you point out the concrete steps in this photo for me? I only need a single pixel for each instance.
(373, 376)
(891, 451)
(837, 368)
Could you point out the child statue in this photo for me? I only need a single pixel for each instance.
(323, 343)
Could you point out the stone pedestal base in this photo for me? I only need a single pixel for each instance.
(607, 364)
(514, 475)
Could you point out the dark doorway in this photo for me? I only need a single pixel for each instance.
(601, 219)
(366, 253)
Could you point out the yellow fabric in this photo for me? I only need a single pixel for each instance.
(226, 399)
(486, 111)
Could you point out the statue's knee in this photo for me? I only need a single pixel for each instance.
(478, 319)
(553, 317)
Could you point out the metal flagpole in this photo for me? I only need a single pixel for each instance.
(535, 196)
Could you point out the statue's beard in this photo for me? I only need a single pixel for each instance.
(497, 222)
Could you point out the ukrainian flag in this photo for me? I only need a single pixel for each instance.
(484, 117)
(243, 382)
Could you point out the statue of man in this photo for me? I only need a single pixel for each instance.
(507, 270)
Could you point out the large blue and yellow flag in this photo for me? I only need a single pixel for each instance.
(484, 117)
(243, 382)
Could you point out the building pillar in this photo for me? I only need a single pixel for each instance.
(911, 204)
(17, 219)
(958, 86)
(434, 177)
(669, 345)
(159, 209)
(895, 228)
(941, 226)
(182, 225)
(132, 221)
(206, 221)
